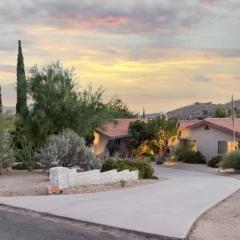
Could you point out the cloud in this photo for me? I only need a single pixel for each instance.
(200, 78)
(208, 2)
(135, 16)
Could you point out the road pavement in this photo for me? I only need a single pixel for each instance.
(18, 225)
(167, 208)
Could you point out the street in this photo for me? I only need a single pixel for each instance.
(20, 225)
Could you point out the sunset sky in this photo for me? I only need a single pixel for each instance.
(161, 54)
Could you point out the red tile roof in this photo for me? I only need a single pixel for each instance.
(118, 129)
(187, 123)
(224, 124)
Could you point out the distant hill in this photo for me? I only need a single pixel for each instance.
(200, 110)
(154, 115)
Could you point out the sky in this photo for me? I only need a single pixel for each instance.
(157, 54)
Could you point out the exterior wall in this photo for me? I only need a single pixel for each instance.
(100, 144)
(207, 140)
(65, 177)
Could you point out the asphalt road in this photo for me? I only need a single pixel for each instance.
(23, 226)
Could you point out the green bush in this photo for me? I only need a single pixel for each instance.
(215, 161)
(187, 155)
(143, 165)
(232, 160)
(24, 166)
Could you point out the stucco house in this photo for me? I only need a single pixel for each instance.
(113, 131)
(211, 136)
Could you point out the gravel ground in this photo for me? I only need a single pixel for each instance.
(219, 223)
(200, 168)
(25, 183)
(107, 187)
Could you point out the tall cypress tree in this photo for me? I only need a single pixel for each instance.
(1, 107)
(21, 106)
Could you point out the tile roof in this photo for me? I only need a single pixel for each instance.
(224, 124)
(118, 129)
(187, 123)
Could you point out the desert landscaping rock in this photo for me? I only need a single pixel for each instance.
(221, 222)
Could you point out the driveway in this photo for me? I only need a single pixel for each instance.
(167, 208)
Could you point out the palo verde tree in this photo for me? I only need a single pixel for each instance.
(155, 134)
(21, 106)
(54, 105)
(58, 105)
(162, 131)
(119, 109)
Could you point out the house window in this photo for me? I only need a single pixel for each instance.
(118, 141)
(222, 147)
(184, 142)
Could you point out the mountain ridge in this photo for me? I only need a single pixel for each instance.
(200, 110)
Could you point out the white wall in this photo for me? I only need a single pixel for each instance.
(65, 177)
(207, 140)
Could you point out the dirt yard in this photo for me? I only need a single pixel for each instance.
(25, 183)
(221, 222)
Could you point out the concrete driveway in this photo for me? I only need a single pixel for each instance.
(167, 208)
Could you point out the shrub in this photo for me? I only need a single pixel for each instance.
(141, 164)
(232, 160)
(25, 154)
(6, 151)
(187, 155)
(198, 158)
(215, 161)
(24, 166)
(67, 149)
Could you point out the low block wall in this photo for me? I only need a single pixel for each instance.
(65, 177)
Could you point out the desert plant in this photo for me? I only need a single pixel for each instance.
(187, 155)
(26, 153)
(232, 160)
(6, 151)
(24, 166)
(215, 161)
(67, 149)
(141, 164)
